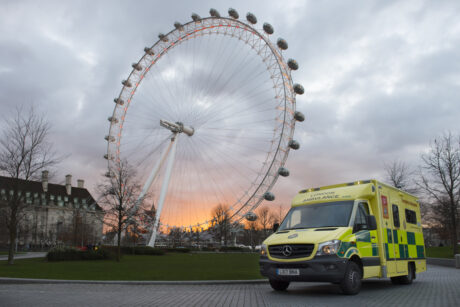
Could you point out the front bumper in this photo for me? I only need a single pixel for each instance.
(321, 269)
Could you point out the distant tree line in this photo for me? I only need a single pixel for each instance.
(437, 182)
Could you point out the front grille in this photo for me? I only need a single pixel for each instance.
(297, 250)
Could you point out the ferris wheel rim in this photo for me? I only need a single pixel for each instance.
(287, 87)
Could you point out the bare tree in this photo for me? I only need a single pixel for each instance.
(24, 152)
(440, 179)
(400, 175)
(221, 222)
(278, 215)
(264, 219)
(118, 199)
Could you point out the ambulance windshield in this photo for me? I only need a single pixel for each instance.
(332, 214)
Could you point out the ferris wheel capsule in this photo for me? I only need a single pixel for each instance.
(137, 66)
(282, 44)
(298, 116)
(113, 120)
(214, 13)
(119, 101)
(251, 216)
(251, 18)
(149, 51)
(233, 13)
(178, 26)
(298, 89)
(294, 144)
(109, 138)
(293, 65)
(269, 196)
(163, 37)
(268, 28)
(196, 17)
(126, 83)
(283, 171)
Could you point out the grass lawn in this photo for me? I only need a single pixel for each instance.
(439, 252)
(206, 266)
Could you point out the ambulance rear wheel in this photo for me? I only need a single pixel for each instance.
(407, 280)
(351, 282)
(279, 285)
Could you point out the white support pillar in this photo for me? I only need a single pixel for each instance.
(164, 189)
(152, 176)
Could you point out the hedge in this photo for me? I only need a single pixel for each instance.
(69, 254)
(137, 250)
(235, 249)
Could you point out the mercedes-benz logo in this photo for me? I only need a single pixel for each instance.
(287, 250)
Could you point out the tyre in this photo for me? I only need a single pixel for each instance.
(396, 280)
(351, 283)
(407, 279)
(279, 285)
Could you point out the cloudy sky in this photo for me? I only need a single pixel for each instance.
(382, 78)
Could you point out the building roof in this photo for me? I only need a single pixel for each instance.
(54, 190)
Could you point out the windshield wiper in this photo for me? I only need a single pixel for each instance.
(297, 228)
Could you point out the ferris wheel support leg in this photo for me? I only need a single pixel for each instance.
(152, 176)
(164, 190)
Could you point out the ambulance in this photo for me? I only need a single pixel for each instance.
(346, 233)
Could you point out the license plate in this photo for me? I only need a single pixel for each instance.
(288, 272)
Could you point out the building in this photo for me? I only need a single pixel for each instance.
(53, 214)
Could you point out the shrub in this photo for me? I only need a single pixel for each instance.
(178, 250)
(137, 250)
(70, 254)
(234, 249)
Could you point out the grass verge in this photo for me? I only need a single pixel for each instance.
(173, 266)
(440, 252)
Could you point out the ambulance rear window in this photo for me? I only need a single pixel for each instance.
(411, 216)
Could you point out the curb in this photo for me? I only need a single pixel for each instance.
(446, 262)
(7, 280)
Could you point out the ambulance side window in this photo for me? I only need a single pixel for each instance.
(360, 219)
(411, 216)
(395, 215)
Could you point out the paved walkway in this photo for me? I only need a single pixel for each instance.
(25, 256)
(439, 286)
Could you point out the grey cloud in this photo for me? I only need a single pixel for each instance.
(381, 77)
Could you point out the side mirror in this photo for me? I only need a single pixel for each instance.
(275, 227)
(371, 222)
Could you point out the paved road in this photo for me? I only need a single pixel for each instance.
(439, 286)
(25, 256)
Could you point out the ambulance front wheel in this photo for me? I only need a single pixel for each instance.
(279, 285)
(351, 282)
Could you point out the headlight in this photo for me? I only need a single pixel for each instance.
(328, 248)
(263, 250)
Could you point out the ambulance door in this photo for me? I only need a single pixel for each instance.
(398, 238)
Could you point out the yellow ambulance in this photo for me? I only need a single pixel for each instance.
(345, 233)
